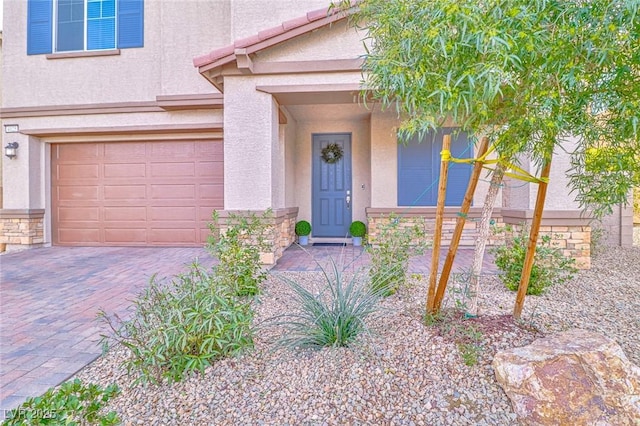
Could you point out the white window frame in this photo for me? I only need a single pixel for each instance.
(54, 29)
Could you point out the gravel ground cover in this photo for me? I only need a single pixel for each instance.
(403, 372)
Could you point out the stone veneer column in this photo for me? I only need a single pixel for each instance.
(252, 159)
(280, 232)
(21, 228)
(568, 230)
(22, 215)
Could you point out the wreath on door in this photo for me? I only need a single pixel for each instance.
(332, 153)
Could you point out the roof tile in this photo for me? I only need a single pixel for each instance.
(295, 23)
(247, 41)
(314, 15)
(228, 50)
(271, 32)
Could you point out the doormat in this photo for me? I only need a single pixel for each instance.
(329, 244)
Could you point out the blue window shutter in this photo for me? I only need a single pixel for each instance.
(419, 170)
(459, 174)
(130, 23)
(415, 173)
(39, 26)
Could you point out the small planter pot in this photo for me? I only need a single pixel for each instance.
(303, 240)
(357, 241)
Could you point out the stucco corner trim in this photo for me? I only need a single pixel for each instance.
(115, 130)
(21, 213)
(549, 217)
(189, 102)
(93, 53)
(428, 212)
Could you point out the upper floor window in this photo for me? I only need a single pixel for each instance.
(79, 25)
(419, 169)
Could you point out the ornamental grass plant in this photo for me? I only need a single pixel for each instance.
(334, 317)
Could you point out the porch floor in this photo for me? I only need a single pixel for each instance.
(350, 258)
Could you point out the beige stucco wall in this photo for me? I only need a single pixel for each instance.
(175, 32)
(522, 195)
(250, 16)
(1, 124)
(250, 125)
(291, 154)
(338, 41)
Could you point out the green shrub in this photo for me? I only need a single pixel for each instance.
(390, 253)
(71, 404)
(357, 229)
(238, 247)
(303, 228)
(550, 266)
(333, 318)
(182, 326)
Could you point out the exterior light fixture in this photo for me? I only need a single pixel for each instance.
(11, 150)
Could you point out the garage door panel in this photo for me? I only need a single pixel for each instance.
(78, 171)
(116, 153)
(85, 214)
(173, 214)
(173, 192)
(211, 192)
(119, 235)
(172, 150)
(139, 193)
(78, 235)
(172, 236)
(77, 193)
(134, 170)
(125, 192)
(210, 169)
(173, 169)
(125, 214)
(79, 152)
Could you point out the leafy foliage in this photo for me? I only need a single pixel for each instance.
(73, 403)
(395, 243)
(528, 73)
(237, 246)
(333, 318)
(303, 228)
(550, 266)
(182, 326)
(357, 229)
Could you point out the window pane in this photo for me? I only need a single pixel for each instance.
(101, 34)
(108, 9)
(70, 25)
(93, 9)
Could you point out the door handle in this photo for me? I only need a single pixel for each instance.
(348, 199)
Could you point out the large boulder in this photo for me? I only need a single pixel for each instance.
(575, 377)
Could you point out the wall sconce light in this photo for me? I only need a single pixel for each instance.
(11, 150)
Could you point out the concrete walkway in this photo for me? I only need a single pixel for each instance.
(49, 299)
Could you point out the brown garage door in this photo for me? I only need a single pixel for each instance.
(135, 193)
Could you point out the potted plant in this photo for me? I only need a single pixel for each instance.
(303, 229)
(357, 230)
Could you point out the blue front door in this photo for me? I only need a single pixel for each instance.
(331, 195)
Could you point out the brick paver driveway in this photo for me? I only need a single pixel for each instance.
(49, 298)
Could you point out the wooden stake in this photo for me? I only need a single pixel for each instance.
(437, 235)
(457, 233)
(533, 240)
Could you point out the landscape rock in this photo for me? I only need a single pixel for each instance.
(574, 377)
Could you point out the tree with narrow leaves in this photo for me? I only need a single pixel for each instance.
(529, 74)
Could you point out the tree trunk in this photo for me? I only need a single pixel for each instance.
(483, 236)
